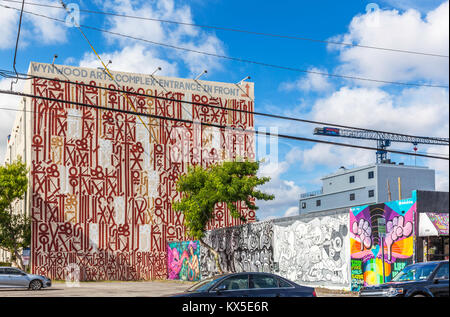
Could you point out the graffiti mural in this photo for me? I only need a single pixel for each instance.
(366, 244)
(183, 261)
(243, 248)
(102, 181)
(314, 252)
(440, 221)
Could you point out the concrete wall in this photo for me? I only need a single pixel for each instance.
(314, 251)
(411, 178)
(246, 248)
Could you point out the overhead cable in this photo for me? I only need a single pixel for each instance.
(228, 128)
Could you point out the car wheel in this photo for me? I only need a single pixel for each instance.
(35, 285)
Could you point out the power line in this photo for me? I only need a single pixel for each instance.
(237, 59)
(213, 125)
(291, 37)
(440, 155)
(221, 108)
(235, 110)
(17, 44)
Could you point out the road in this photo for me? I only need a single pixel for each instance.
(123, 289)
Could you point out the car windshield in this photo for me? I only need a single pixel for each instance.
(203, 285)
(417, 272)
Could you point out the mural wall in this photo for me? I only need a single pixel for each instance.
(243, 248)
(183, 261)
(366, 245)
(102, 182)
(314, 251)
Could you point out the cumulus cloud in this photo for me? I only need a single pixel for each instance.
(8, 116)
(309, 83)
(286, 192)
(34, 29)
(8, 25)
(179, 35)
(134, 58)
(440, 166)
(401, 30)
(418, 111)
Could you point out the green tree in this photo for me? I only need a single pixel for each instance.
(15, 228)
(202, 188)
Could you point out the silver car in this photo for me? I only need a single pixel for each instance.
(14, 278)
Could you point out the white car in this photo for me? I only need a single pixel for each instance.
(14, 278)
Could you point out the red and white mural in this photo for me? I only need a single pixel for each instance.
(102, 182)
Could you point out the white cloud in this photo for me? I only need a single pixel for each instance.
(134, 58)
(292, 211)
(8, 25)
(286, 192)
(441, 167)
(7, 117)
(310, 82)
(168, 33)
(34, 28)
(418, 111)
(400, 30)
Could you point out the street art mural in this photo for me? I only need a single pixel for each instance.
(369, 240)
(314, 251)
(440, 221)
(183, 261)
(102, 182)
(245, 248)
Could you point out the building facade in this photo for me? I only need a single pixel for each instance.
(102, 179)
(370, 184)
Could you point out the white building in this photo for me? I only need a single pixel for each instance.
(369, 184)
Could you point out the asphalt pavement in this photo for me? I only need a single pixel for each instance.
(125, 289)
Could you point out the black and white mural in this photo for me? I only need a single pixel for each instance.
(314, 252)
(242, 249)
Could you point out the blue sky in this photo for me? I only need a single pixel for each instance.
(400, 24)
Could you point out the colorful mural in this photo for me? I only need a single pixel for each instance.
(183, 261)
(367, 238)
(440, 221)
(102, 182)
(314, 251)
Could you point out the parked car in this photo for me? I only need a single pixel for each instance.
(14, 278)
(245, 284)
(428, 279)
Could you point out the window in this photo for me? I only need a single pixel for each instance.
(352, 196)
(303, 205)
(371, 193)
(318, 202)
(371, 174)
(12, 271)
(283, 283)
(352, 179)
(442, 272)
(236, 282)
(263, 281)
